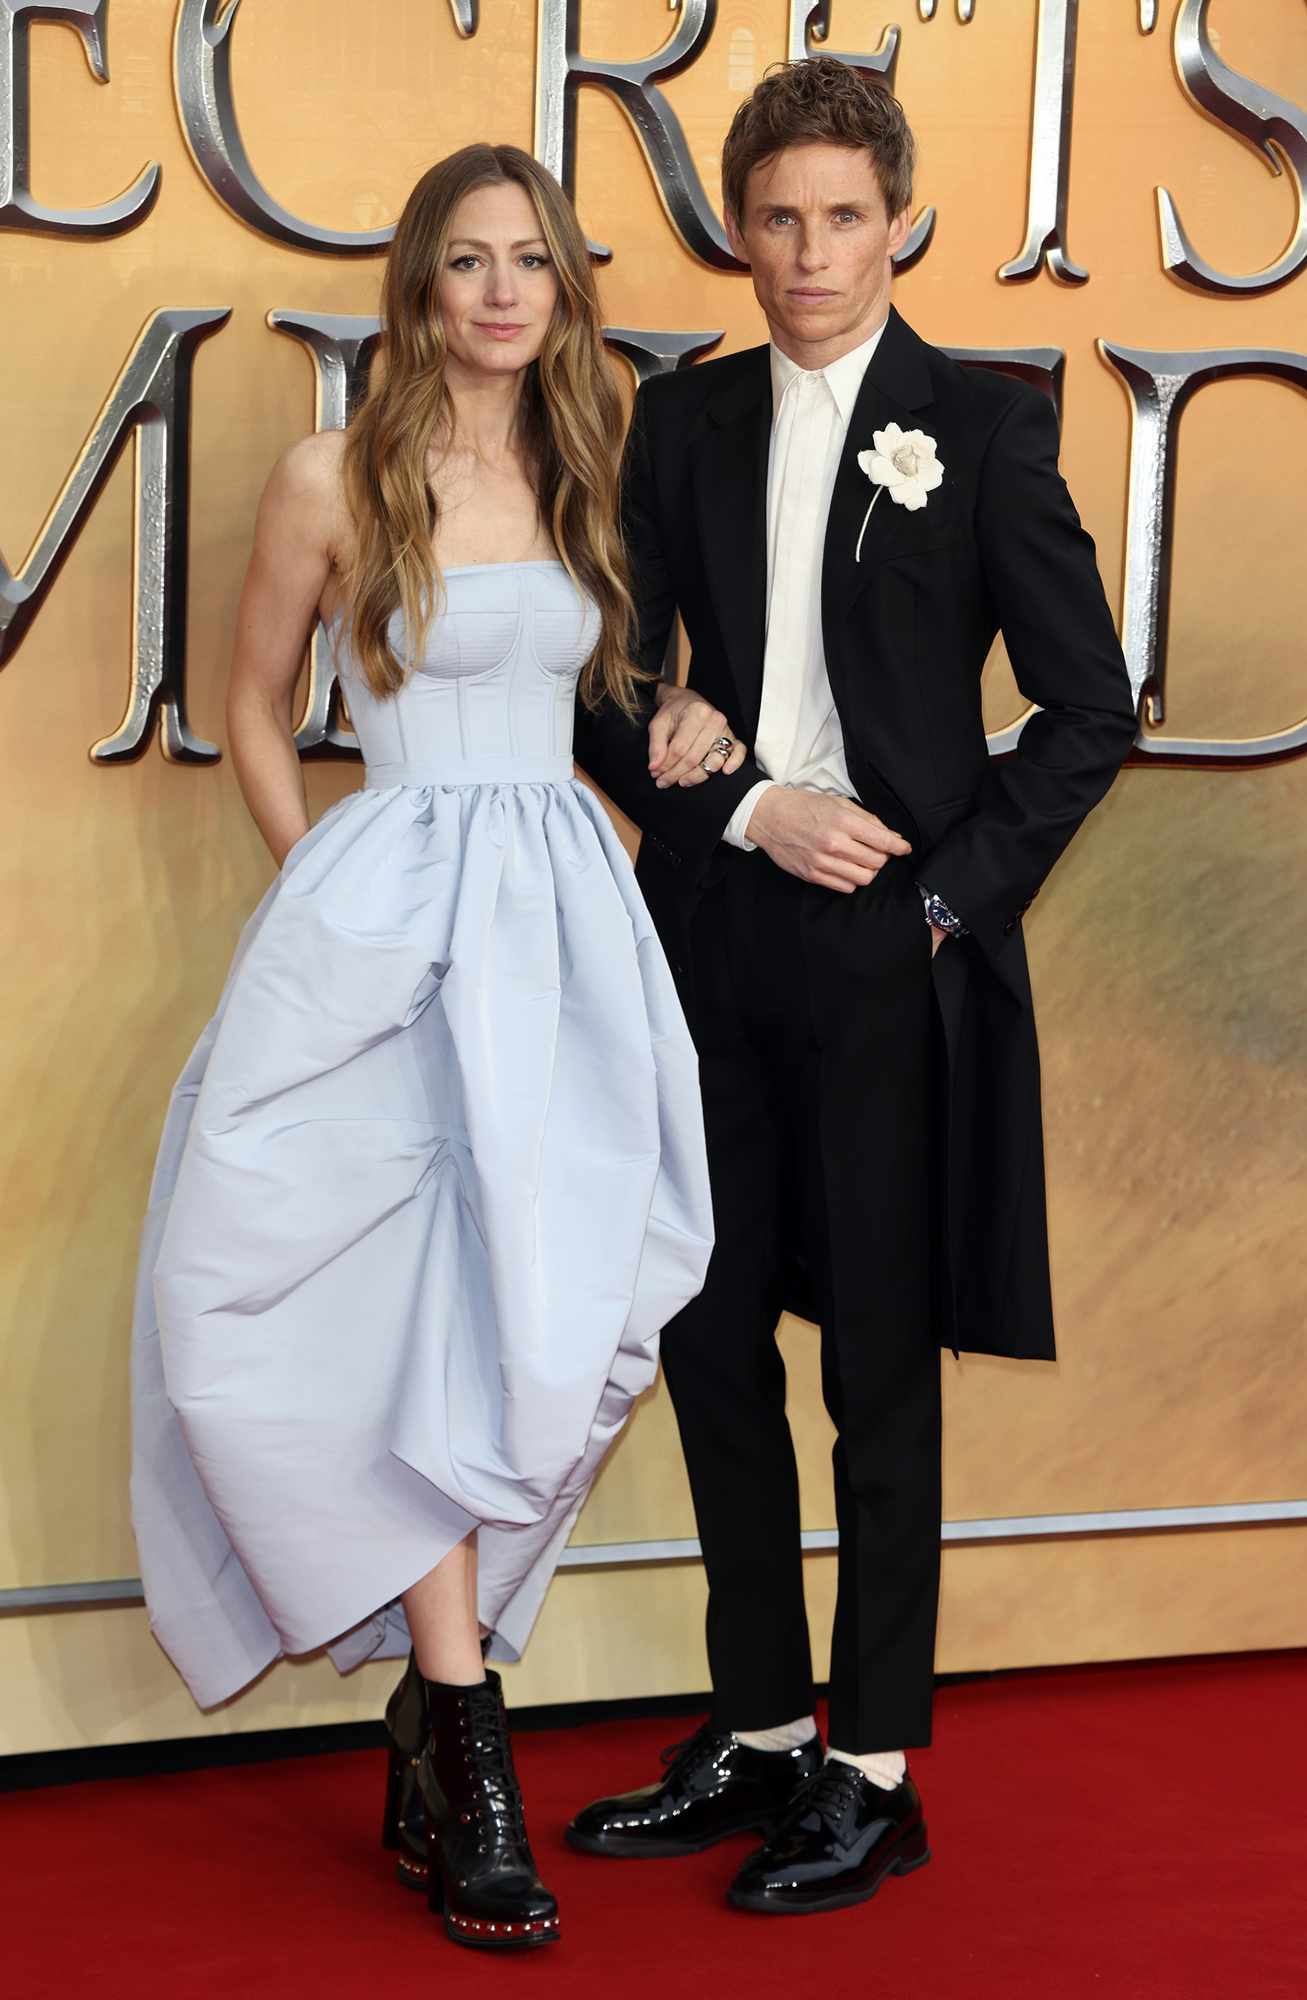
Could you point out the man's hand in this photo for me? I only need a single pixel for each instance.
(682, 736)
(822, 838)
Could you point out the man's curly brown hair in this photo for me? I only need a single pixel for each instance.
(820, 101)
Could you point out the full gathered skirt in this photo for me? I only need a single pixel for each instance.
(431, 1183)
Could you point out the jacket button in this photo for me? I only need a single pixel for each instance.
(1009, 926)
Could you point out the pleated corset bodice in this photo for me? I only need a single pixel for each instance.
(491, 699)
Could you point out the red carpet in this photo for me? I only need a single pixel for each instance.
(1127, 1833)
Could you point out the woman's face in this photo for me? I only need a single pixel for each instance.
(499, 285)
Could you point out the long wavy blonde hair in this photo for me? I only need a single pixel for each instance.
(571, 434)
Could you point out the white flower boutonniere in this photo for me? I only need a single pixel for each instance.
(905, 462)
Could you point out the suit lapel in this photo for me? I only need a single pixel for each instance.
(731, 496)
(895, 389)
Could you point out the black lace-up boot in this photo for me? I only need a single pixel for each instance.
(482, 1876)
(403, 1827)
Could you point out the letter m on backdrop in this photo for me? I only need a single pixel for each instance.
(151, 402)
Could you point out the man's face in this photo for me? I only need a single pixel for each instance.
(818, 242)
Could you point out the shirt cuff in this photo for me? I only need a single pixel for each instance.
(735, 835)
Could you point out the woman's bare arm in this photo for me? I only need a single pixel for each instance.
(295, 540)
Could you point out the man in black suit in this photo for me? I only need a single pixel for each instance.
(844, 519)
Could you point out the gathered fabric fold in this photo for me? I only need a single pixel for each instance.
(430, 1185)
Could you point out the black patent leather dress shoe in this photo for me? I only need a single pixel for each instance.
(713, 1787)
(840, 1839)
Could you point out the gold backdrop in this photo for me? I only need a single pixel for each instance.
(1168, 958)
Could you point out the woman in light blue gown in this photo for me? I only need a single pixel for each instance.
(434, 1176)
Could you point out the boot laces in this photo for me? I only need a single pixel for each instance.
(498, 1791)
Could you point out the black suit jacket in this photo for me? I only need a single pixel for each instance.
(907, 631)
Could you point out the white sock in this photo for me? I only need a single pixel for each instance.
(789, 1736)
(886, 1768)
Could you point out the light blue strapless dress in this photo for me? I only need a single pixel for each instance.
(430, 1184)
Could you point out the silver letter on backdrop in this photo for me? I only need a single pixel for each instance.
(341, 346)
(1272, 126)
(561, 70)
(207, 109)
(152, 398)
(966, 9)
(18, 209)
(809, 25)
(1050, 149)
(651, 353)
(1160, 385)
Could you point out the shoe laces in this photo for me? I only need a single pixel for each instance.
(829, 1793)
(685, 1758)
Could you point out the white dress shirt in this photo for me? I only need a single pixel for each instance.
(799, 737)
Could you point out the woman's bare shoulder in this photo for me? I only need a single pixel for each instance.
(311, 471)
(304, 502)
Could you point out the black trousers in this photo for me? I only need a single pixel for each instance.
(815, 1023)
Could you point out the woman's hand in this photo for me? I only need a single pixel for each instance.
(686, 738)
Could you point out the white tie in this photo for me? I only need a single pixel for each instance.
(798, 528)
